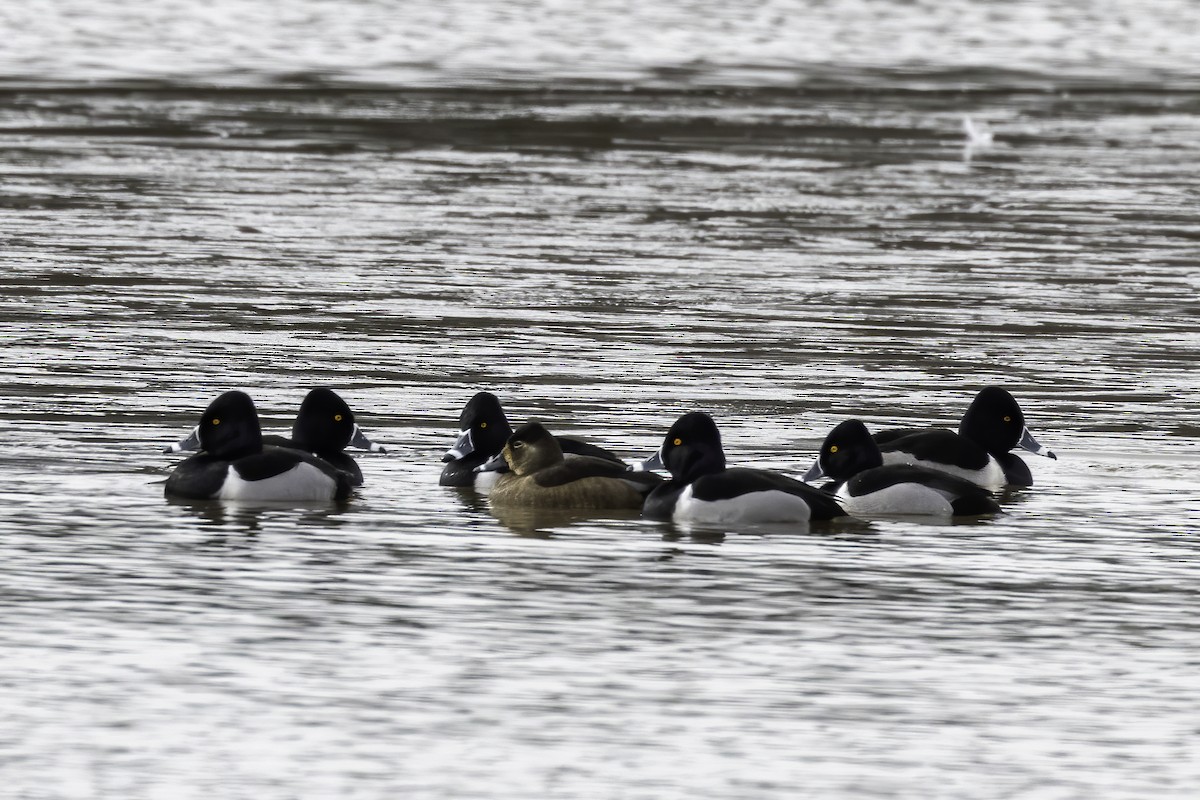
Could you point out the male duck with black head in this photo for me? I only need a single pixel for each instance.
(324, 426)
(703, 489)
(540, 477)
(483, 431)
(234, 465)
(991, 427)
(850, 458)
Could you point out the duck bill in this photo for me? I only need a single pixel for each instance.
(192, 442)
(1031, 444)
(652, 463)
(360, 440)
(463, 446)
(494, 464)
(814, 472)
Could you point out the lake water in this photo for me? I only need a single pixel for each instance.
(607, 213)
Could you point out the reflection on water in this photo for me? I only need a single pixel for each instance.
(248, 516)
(546, 522)
(778, 243)
(709, 532)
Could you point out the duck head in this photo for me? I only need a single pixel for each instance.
(691, 448)
(229, 427)
(482, 427)
(531, 448)
(325, 424)
(996, 423)
(846, 451)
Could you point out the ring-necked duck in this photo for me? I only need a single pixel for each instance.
(324, 426)
(702, 489)
(484, 430)
(540, 477)
(851, 459)
(992, 426)
(234, 465)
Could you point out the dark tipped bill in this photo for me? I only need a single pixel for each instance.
(814, 472)
(494, 464)
(652, 463)
(191, 442)
(359, 439)
(463, 446)
(1031, 444)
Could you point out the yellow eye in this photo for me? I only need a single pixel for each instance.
(1008, 419)
(482, 425)
(337, 417)
(677, 442)
(833, 448)
(216, 421)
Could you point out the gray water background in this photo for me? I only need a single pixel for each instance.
(608, 214)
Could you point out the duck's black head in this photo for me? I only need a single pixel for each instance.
(229, 427)
(324, 424)
(483, 428)
(847, 451)
(692, 447)
(993, 421)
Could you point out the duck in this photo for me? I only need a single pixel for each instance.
(234, 464)
(852, 461)
(980, 451)
(483, 431)
(540, 476)
(702, 489)
(324, 427)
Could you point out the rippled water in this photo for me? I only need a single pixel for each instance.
(607, 214)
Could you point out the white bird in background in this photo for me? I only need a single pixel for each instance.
(977, 138)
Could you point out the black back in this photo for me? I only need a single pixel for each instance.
(340, 460)
(892, 434)
(940, 445)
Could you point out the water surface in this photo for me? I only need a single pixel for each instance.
(607, 215)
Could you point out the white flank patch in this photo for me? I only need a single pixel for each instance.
(769, 506)
(990, 477)
(903, 498)
(303, 482)
(484, 481)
